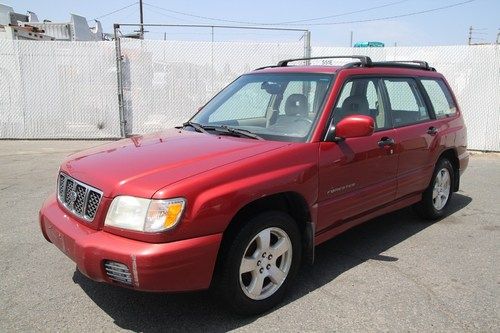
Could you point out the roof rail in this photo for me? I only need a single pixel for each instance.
(263, 67)
(415, 64)
(365, 60)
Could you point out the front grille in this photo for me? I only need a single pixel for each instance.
(118, 272)
(79, 198)
(92, 204)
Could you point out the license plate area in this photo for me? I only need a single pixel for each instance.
(61, 241)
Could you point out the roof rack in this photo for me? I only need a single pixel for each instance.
(414, 64)
(365, 61)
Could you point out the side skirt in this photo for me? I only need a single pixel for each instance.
(335, 230)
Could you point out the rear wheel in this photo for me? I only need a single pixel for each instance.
(436, 197)
(259, 264)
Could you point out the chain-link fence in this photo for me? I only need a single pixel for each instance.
(70, 90)
(58, 90)
(473, 73)
(165, 82)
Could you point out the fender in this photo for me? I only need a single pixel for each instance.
(216, 196)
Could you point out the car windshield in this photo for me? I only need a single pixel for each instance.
(274, 106)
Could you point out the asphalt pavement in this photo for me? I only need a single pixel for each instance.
(395, 273)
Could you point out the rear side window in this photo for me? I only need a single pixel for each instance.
(440, 97)
(406, 104)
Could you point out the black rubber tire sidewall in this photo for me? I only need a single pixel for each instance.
(228, 286)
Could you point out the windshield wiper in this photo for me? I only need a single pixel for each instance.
(237, 131)
(221, 129)
(196, 126)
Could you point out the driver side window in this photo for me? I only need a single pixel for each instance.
(306, 88)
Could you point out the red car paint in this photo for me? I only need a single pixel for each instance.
(343, 183)
(355, 126)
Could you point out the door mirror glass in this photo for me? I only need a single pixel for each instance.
(354, 126)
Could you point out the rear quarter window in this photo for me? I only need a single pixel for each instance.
(440, 97)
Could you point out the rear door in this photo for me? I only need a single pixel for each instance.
(415, 133)
(358, 174)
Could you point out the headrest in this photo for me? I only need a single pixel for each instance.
(356, 104)
(296, 105)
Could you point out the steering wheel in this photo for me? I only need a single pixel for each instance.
(304, 119)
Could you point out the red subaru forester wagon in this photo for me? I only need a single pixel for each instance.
(281, 160)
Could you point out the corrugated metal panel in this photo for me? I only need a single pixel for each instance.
(61, 31)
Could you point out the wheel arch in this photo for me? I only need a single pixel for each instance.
(452, 156)
(292, 203)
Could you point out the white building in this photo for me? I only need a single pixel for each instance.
(26, 26)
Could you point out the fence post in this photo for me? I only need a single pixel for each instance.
(119, 58)
(307, 46)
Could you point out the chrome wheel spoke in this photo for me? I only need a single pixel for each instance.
(264, 239)
(445, 179)
(255, 287)
(280, 248)
(248, 265)
(435, 193)
(441, 175)
(437, 202)
(276, 275)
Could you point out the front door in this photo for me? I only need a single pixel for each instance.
(357, 174)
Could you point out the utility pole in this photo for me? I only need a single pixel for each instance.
(473, 32)
(141, 31)
(352, 35)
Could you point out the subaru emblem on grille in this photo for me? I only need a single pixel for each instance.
(72, 197)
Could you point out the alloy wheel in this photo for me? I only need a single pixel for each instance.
(441, 190)
(265, 263)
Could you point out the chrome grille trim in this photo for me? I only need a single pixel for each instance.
(118, 272)
(87, 199)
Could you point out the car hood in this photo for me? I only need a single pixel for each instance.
(141, 165)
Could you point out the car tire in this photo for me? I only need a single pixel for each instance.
(267, 251)
(436, 198)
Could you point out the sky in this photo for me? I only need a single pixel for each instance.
(389, 21)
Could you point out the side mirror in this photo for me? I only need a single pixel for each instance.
(354, 126)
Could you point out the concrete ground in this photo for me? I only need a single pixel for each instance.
(395, 273)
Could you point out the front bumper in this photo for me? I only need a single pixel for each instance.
(167, 267)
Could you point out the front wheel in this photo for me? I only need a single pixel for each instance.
(260, 263)
(437, 196)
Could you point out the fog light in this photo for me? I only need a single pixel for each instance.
(118, 272)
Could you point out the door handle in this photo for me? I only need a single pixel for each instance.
(385, 141)
(432, 130)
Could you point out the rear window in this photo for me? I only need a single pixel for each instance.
(440, 97)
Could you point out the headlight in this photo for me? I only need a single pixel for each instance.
(147, 215)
